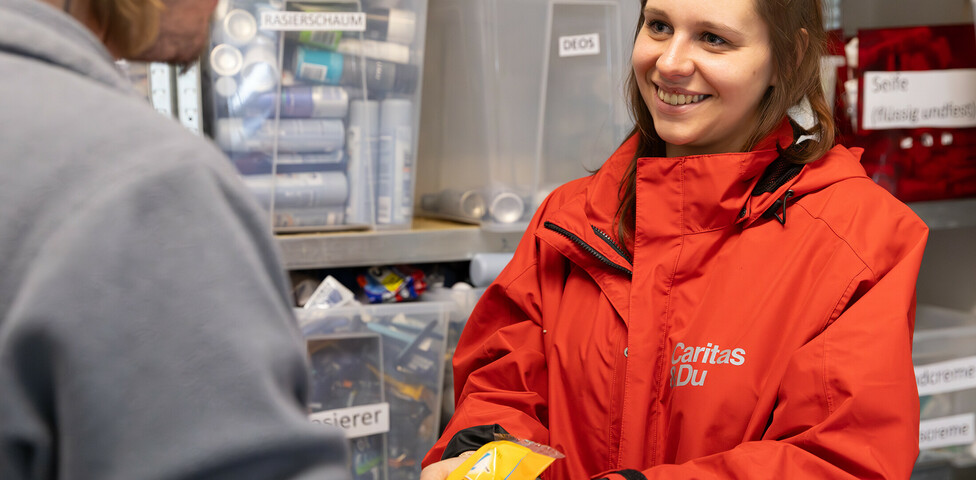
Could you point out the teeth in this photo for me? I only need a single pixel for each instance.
(676, 99)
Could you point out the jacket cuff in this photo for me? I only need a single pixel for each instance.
(471, 438)
(627, 474)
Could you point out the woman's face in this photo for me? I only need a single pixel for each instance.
(702, 67)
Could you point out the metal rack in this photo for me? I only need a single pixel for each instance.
(430, 240)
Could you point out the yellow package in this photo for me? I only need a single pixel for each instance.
(506, 460)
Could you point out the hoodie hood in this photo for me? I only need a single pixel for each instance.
(688, 195)
(25, 30)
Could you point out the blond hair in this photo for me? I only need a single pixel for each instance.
(130, 25)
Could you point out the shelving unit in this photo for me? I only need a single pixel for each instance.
(430, 240)
(947, 214)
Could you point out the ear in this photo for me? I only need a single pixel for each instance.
(802, 42)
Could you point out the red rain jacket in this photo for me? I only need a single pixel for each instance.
(728, 347)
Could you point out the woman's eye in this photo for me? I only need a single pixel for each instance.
(714, 40)
(658, 27)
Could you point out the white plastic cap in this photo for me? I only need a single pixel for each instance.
(238, 27)
(402, 26)
(226, 60)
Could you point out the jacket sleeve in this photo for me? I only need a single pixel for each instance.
(848, 405)
(154, 337)
(500, 372)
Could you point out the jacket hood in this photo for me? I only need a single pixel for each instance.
(698, 193)
(25, 30)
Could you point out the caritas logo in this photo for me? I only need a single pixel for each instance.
(688, 363)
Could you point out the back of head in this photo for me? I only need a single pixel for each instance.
(130, 25)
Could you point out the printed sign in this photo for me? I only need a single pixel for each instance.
(577, 45)
(950, 376)
(359, 421)
(313, 21)
(947, 431)
(938, 98)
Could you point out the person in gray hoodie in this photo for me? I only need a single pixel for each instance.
(146, 329)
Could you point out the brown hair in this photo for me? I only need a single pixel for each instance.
(797, 66)
(130, 25)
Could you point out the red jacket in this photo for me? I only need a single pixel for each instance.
(729, 347)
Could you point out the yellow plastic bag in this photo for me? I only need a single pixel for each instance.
(506, 459)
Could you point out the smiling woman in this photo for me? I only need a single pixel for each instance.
(702, 70)
(711, 337)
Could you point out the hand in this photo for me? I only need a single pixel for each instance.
(443, 468)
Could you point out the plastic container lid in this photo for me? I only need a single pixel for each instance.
(225, 86)
(226, 60)
(239, 27)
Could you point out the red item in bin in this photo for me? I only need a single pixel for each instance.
(921, 163)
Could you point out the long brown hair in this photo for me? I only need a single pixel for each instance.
(796, 61)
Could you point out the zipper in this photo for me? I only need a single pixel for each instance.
(613, 245)
(592, 251)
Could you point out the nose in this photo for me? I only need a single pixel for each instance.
(676, 60)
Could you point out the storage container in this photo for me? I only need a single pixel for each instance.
(520, 96)
(377, 372)
(317, 104)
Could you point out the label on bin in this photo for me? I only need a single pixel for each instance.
(947, 431)
(577, 45)
(313, 21)
(949, 376)
(938, 98)
(358, 421)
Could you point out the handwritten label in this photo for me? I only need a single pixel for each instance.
(577, 45)
(947, 431)
(313, 21)
(360, 421)
(938, 98)
(949, 376)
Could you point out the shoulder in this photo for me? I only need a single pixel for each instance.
(878, 227)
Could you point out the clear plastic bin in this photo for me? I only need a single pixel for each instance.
(463, 301)
(379, 363)
(520, 96)
(944, 354)
(317, 104)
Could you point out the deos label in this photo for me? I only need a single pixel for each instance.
(578, 45)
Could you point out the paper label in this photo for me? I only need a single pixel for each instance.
(947, 431)
(313, 21)
(577, 45)
(360, 421)
(949, 376)
(938, 98)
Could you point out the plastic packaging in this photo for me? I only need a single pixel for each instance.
(506, 460)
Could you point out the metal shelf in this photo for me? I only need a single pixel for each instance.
(430, 241)
(427, 241)
(947, 214)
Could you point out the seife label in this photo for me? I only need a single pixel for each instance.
(948, 376)
(937, 98)
(359, 421)
(577, 45)
(947, 431)
(313, 21)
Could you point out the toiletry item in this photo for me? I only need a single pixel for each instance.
(362, 146)
(394, 183)
(298, 135)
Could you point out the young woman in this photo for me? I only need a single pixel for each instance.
(728, 297)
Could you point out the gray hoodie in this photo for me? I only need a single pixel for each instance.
(145, 323)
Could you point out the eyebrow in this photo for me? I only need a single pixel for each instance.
(706, 25)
